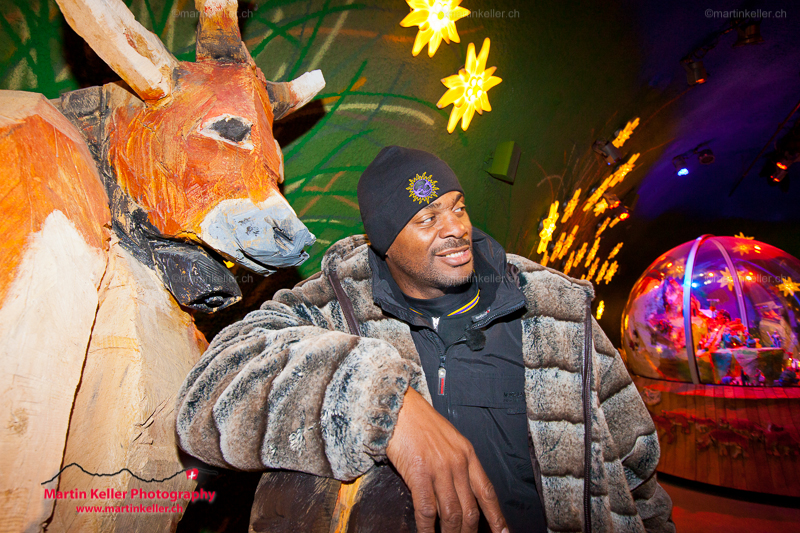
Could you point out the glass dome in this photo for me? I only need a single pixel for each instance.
(716, 310)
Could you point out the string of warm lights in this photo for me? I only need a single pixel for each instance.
(571, 205)
(625, 133)
(592, 252)
(612, 269)
(568, 266)
(548, 226)
(570, 241)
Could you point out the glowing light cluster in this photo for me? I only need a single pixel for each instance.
(603, 227)
(600, 308)
(571, 205)
(625, 134)
(597, 194)
(611, 181)
(559, 244)
(615, 251)
(548, 226)
(581, 253)
(612, 269)
(436, 21)
(570, 260)
(600, 207)
(592, 252)
(623, 170)
(741, 235)
(568, 244)
(602, 271)
(543, 261)
(467, 90)
(593, 269)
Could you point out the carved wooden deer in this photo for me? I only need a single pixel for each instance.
(118, 205)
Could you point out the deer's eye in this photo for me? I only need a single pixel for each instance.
(228, 128)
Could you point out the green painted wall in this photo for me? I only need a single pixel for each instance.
(377, 94)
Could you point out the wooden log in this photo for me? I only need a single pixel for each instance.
(377, 502)
(52, 210)
(142, 348)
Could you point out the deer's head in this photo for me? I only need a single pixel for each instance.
(196, 151)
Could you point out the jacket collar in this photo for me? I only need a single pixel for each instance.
(490, 266)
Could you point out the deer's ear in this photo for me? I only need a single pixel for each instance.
(218, 36)
(288, 97)
(135, 54)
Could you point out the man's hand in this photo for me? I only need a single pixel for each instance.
(442, 471)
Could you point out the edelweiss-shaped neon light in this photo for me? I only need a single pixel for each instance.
(467, 89)
(436, 21)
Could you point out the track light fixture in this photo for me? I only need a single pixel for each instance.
(695, 72)
(680, 165)
(748, 31)
(780, 167)
(705, 157)
(612, 200)
(607, 151)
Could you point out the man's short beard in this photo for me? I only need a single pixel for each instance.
(425, 273)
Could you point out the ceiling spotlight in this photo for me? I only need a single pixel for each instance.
(612, 200)
(680, 165)
(749, 33)
(695, 72)
(778, 172)
(706, 157)
(607, 151)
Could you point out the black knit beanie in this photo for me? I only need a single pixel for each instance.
(398, 183)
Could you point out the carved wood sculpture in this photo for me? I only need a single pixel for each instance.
(111, 199)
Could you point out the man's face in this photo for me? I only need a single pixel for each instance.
(433, 252)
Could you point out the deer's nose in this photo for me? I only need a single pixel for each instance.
(260, 238)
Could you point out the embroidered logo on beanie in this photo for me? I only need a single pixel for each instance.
(422, 188)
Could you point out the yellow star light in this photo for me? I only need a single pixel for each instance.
(559, 244)
(592, 253)
(742, 248)
(741, 235)
(581, 253)
(603, 227)
(625, 134)
(571, 205)
(593, 269)
(436, 20)
(568, 266)
(726, 279)
(602, 271)
(787, 286)
(568, 244)
(467, 89)
(612, 269)
(548, 226)
(600, 308)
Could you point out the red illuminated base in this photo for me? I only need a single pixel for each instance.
(745, 438)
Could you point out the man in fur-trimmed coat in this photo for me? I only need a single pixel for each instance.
(480, 376)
